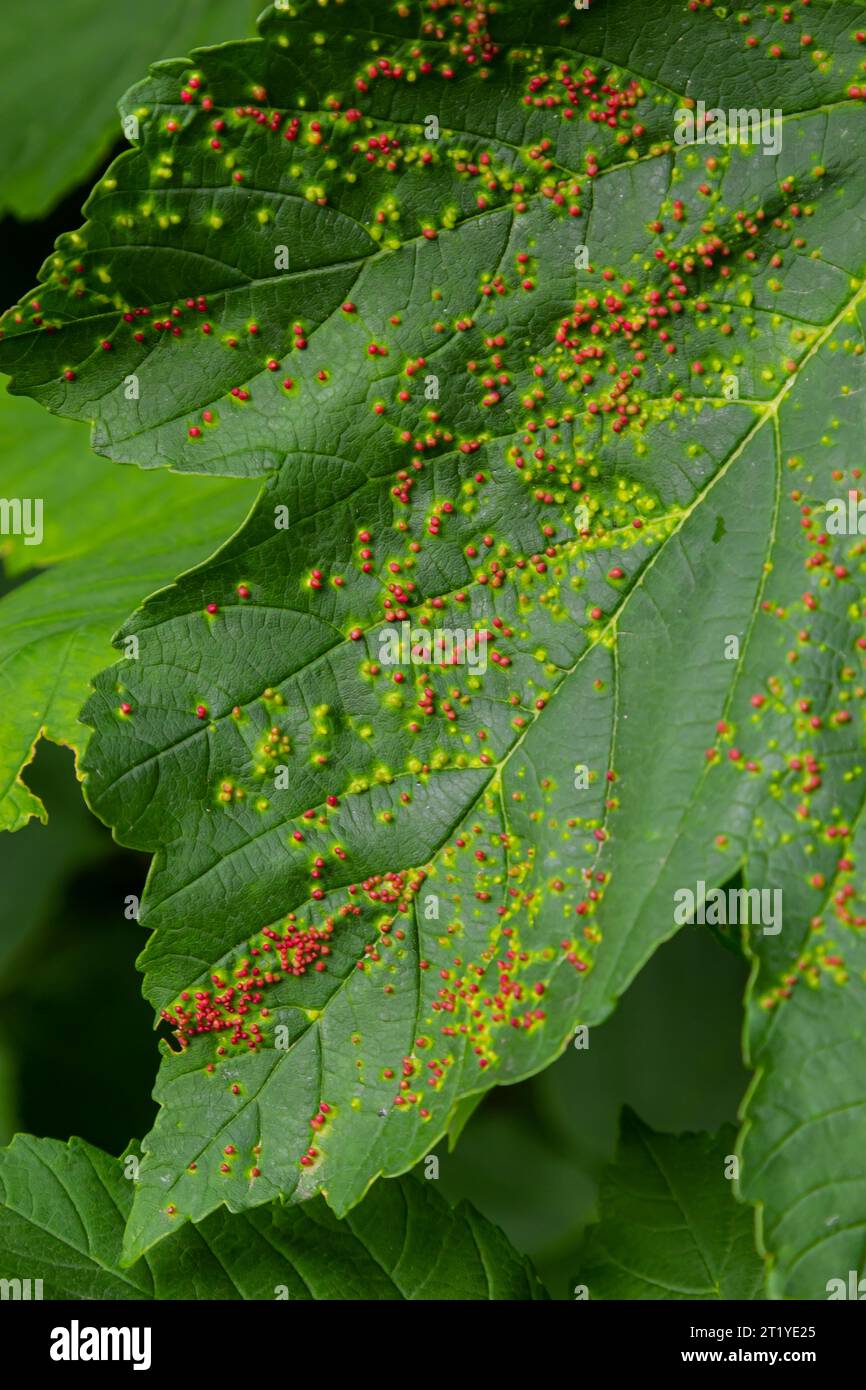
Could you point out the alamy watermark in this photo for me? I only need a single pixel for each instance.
(20, 1289)
(719, 907)
(846, 516)
(22, 516)
(77, 1343)
(854, 1288)
(736, 126)
(440, 646)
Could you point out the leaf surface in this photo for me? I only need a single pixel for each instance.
(802, 1144)
(62, 1210)
(669, 1224)
(385, 884)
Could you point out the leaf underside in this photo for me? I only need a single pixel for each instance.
(464, 429)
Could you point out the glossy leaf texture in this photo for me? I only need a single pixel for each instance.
(62, 1210)
(669, 1226)
(64, 93)
(101, 540)
(516, 363)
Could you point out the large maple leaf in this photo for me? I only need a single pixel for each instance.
(524, 372)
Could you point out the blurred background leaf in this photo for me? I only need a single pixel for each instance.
(67, 62)
(111, 537)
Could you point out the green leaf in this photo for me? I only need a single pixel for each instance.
(111, 536)
(432, 826)
(62, 1209)
(803, 1140)
(68, 61)
(669, 1225)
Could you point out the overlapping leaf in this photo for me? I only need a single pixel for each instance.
(62, 1209)
(348, 255)
(669, 1226)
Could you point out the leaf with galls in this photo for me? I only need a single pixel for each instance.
(380, 886)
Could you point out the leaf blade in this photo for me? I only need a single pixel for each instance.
(690, 540)
(669, 1226)
(62, 1210)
